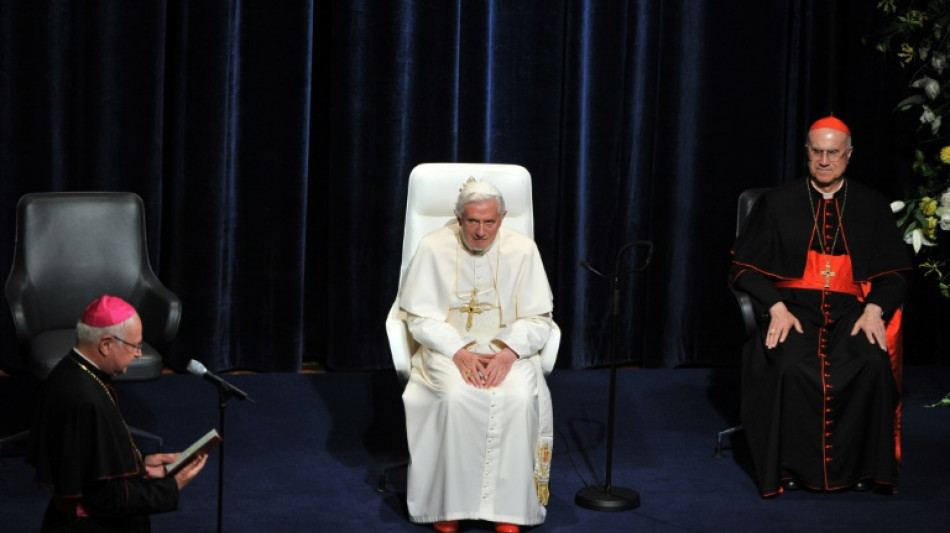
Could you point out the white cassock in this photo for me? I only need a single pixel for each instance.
(477, 454)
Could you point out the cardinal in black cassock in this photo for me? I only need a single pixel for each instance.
(824, 261)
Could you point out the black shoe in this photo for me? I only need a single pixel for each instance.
(864, 485)
(790, 484)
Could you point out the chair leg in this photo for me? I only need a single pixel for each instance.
(384, 475)
(146, 435)
(722, 436)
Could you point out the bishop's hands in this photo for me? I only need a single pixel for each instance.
(155, 463)
(484, 371)
(871, 322)
(155, 467)
(781, 324)
(190, 470)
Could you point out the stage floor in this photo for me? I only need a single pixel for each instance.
(306, 456)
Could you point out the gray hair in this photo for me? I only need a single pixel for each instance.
(86, 334)
(470, 195)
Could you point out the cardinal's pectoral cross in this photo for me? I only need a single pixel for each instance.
(471, 309)
(827, 273)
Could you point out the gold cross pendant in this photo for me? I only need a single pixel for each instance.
(471, 309)
(827, 273)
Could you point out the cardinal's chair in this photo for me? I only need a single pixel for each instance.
(72, 247)
(747, 309)
(430, 204)
(753, 315)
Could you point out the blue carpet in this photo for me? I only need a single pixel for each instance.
(307, 454)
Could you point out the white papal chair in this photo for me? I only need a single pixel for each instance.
(430, 204)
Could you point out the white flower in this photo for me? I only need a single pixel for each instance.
(939, 62)
(929, 117)
(943, 212)
(896, 206)
(916, 239)
(930, 86)
(945, 220)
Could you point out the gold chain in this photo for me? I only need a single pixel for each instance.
(814, 214)
(135, 448)
(99, 381)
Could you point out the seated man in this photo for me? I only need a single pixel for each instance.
(818, 390)
(81, 446)
(478, 410)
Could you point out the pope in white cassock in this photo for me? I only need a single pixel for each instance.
(478, 410)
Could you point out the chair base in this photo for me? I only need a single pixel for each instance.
(48, 348)
(722, 437)
(13, 439)
(142, 434)
(383, 483)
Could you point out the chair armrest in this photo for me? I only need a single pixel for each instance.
(22, 310)
(750, 321)
(401, 344)
(159, 308)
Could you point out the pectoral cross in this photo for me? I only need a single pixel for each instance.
(827, 273)
(471, 309)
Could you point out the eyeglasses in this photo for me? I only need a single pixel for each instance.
(833, 155)
(133, 345)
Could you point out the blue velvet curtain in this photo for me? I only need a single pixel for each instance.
(639, 120)
(201, 108)
(272, 143)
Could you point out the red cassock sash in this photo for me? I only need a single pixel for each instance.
(833, 273)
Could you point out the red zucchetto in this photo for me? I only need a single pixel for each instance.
(832, 122)
(107, 311)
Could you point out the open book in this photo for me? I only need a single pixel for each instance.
(202, 445)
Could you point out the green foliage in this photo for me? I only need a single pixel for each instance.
(917, 37)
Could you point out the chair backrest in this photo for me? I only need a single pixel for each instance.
(72, 247)
(433, 190)
(747, 307)
(746, 200)
(434, 187)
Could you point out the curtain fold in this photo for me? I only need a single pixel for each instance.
(272, 144)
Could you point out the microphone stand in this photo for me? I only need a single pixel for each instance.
(223, 396)
(608, 497)
(225, 392)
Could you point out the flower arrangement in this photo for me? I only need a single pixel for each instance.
(918, 37)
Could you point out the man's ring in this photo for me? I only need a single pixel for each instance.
(771, 331)
(468, 374)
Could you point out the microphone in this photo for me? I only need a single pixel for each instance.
(588, 266)
(198, 369)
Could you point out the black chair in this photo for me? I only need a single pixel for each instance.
(72, 247)
(750, 315)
